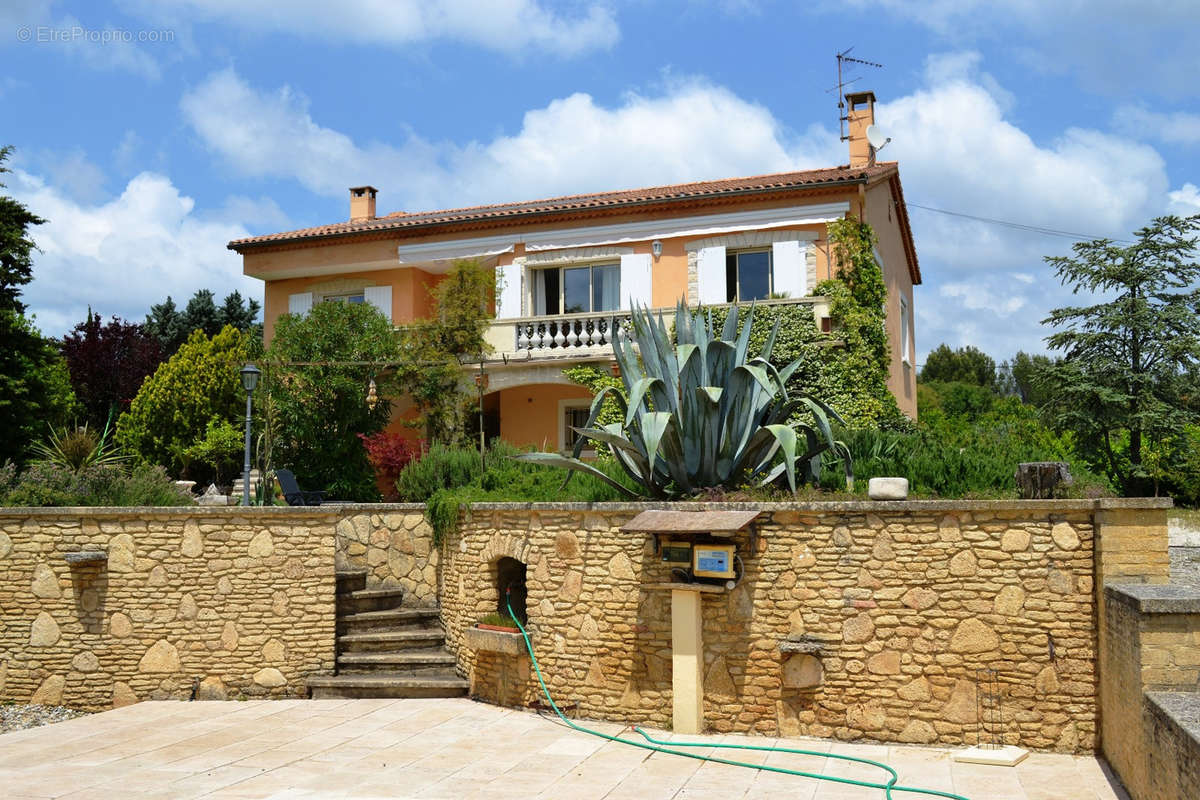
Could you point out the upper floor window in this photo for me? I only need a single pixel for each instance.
(748, 275)
(353, 297)
(576, 289)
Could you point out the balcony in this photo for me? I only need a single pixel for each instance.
(591, 335)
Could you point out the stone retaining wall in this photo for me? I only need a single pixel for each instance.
(1150, 689)
(241, 601)
(394, 544)
(904, 603)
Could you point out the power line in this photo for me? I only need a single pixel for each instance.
(1081, 237)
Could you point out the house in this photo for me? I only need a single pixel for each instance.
(570, 268)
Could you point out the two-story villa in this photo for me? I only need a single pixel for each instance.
(570, 268)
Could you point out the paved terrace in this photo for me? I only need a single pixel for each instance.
(456, 748)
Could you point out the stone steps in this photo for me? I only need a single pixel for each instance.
(385, 684)
(386, 650)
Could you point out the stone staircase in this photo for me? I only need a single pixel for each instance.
(386, 650)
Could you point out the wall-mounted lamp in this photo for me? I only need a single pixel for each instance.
(656, 248)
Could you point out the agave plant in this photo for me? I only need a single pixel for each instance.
(701, 413)
(76, 448)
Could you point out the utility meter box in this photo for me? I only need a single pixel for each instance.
(677, 553)
(713, 561)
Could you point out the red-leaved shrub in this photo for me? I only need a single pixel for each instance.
(389, 453)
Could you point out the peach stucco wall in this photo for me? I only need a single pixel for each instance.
(882, 217)
(529, 414)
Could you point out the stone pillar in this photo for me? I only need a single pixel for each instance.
(687, 662)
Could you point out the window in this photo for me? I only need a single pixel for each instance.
(748, 275)
(573, 417)
(357, 297)
(904, 330)
(576, 290)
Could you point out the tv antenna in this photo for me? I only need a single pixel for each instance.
(844, 57)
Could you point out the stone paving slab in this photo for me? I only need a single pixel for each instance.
(455, 748)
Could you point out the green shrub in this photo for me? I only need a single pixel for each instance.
(46, 484)
(322, 366)
(172, 410)
(446, 478)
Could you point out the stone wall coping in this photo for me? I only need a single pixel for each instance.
(821, 506)
(1099, 504)
(218, 512)
(1156, 598)
(1182, 709)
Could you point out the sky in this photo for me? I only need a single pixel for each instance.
(149, 133)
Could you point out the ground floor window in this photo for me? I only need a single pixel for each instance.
(573, 416)
(576, 289)
(355, 297)
(748, 275)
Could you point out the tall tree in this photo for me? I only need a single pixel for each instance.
(108, 364)
(238, 313)
(964, 365)
(1122, 379)
(1026, 371)
(165, 323)
(16, 246)
(172, 327)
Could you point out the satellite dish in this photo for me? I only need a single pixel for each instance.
(876, 138)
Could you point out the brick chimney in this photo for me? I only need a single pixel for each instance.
(362, 203)
(860, 113)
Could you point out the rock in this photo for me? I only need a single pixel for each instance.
(884, 663)
(45, 582)
(803, 556)
(121, 553)
(859, 628)
(571, 586)
(229, 636)
(595, 675)
(619, 566)
(158, 576)
(1015, 540)
(192, 544)
(964, 564)
(122, 695)
(919, 598)
(1059, 582)
(5, 544)
(566, 545)
(972, 636)
(796, 625)
(802, 671)
(887, 488)
(882, 550)
(1009, 601)
(1046, 681)
(212, 688)
(3, 676)
(261, 545)
(963, 704)
(916, 691)
(868, 716)
(44, 631)
(50, 693)
(918, 732)
(161, 657)
(187, 608)
(270, 678)
(119, 625)
(273, 652)
(589, 631)
(717, 681)
(85, 662)
(1064, 536)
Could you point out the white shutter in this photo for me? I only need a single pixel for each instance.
(508, 298)
(637, 285)
(300, 303)
(790, 264)
(710, 275)
(381, 298)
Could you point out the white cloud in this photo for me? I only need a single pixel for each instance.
(516, 27)
(31, 24)
(122, 255)
(1185, 200)
(979, 297)
(1178, 127)
(690, 130)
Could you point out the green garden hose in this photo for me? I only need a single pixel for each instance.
(656, 745)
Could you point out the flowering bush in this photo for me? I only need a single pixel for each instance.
(389, 453)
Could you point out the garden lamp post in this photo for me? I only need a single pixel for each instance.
(250, 375)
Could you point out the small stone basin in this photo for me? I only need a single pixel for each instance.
(512, 644)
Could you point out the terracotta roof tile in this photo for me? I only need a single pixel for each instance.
(400, 221)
